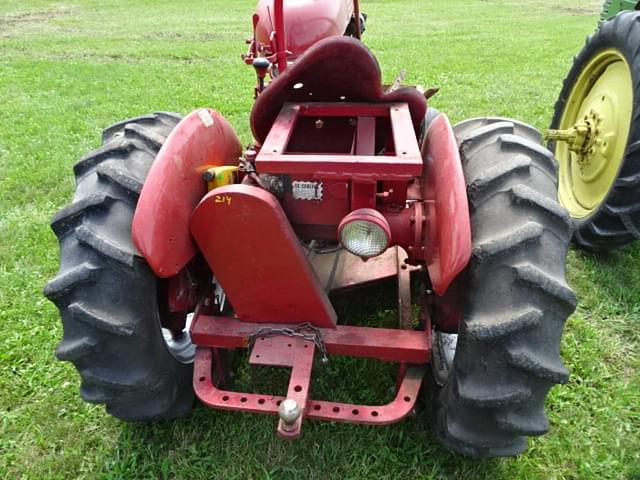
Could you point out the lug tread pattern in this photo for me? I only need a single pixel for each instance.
(520, 238)
(525, 195)
(507, 355)
(483, 184)
(106, 294)
(74, 349)
(497, 327)
(152, 138)
(100, 320)
(121, 177)
(544, 156)
(483, 397)
(527, 424)
(104, 246)
(474, 126)
(60, 286)
(468, 143)
(70, 216)
(537, 279)
(94, 393)
(160, 122)
(116, 149)
(552, 371)
(613, 224)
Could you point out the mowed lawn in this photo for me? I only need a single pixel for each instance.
(69, 68)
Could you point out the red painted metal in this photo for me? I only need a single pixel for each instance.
(448, 239)
(279, 35)
(359, 144)
(411, 348)
(299, 24)
(382, 343)
(174, 187)
(363, 193)
(278, 351)
(317, 220)
(273, 282)
(404, 163)
(299, 385)
(354, 77)
(396, 410)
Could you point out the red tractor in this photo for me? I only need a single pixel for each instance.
(181, 247)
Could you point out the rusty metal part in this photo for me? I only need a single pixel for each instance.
(341, 270)
(430, 92)
(356, 19)
(304, 331)
(404, 292)
(397, 83)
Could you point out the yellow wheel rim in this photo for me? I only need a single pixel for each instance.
(603, 95)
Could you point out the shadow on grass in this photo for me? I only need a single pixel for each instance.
(215, 444)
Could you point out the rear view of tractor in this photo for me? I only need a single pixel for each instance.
(596, 133)
(181, 248)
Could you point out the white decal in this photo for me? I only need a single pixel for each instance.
(307, 190)
(205, 116)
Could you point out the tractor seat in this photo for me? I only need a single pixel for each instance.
(336, 69)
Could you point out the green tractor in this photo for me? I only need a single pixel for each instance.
(610, 8)
(595, 133)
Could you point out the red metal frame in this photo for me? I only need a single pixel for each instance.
(371, 161)
(410, 348)
(404, 163)
(393, 412)
(393, 345)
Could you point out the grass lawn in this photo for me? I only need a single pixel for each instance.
(69, 68)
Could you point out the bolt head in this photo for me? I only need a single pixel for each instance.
(289, 411)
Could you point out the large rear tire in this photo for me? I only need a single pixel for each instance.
(602, 190)
(487, 391)
(106, 293)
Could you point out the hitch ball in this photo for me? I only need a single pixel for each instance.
(289, 412)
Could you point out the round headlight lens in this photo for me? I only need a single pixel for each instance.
(364, 233)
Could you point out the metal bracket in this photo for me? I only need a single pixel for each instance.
(396, 410)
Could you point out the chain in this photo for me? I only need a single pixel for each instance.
(305, 331)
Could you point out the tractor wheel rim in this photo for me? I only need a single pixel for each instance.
(603, 94)
(444, 350)
(182, 349)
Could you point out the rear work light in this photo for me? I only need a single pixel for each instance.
(365, 233)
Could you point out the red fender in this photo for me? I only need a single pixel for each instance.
(174, 187)
(448, 237)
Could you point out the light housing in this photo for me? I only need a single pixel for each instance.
(365, 233)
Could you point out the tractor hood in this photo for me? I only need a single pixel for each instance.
(306, 22)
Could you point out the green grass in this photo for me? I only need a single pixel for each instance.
(67, 69)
